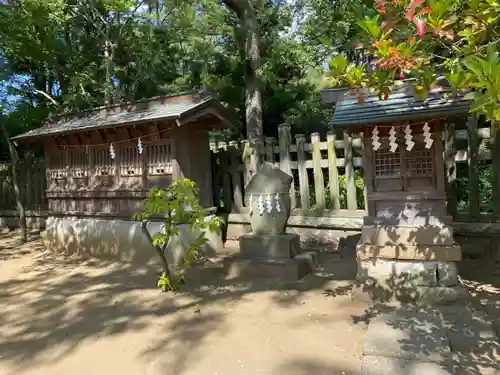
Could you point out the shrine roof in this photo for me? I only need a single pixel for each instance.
(399, 106)
(183, 108)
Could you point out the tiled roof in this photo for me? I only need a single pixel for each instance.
(399, 106)
(128, 113)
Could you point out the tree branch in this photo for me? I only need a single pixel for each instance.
(238, 6)
(47, 96)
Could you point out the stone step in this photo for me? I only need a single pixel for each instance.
(408, 335)
(376, 365)
(473, 341)
(450, 340)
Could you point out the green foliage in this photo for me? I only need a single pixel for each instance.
(76, 55)
(371, 26)
(485, 188)
(424, 39)
(459, 79)
(338, 65)
(355, 76)
(485, 74)
(174, 205)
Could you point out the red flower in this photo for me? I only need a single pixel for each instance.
(380, 6)
(421, 26)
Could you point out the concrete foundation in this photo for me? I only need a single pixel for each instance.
(117, 240)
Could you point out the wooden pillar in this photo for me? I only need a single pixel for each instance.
(303, 177)
(473, 177)
(333, 172)
(319, 184)
(450, 169)
(349, 173)
(284, 142)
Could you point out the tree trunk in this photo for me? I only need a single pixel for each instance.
(253, 97)
(108, 60)
(160, 251)
(17, 190)
(495, 147)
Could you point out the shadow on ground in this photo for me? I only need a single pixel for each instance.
(53, 305)
(304, 366)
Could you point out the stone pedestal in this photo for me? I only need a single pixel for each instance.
(270, 256)
(281, 246)
(410, 263)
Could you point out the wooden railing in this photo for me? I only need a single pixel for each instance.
(328, 175)
(327, 172)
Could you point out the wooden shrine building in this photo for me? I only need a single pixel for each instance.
(406, 247)
(101, 163)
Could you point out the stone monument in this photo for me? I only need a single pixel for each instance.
(268, 251)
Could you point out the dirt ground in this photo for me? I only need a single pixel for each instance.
(73, 316)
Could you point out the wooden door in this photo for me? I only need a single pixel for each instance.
(404, 170)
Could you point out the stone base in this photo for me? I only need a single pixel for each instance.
(426, 242)
(444, 253)
(421, 282)
(292, 269)
(281, 246)
(411, 263)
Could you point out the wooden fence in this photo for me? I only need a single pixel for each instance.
(327, 172)
(328, 175)
(32, 183)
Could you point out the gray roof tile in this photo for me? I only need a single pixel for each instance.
(123, 114)
(399, 106)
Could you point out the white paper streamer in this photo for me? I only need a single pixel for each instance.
(409, 138)
(260, 205)
(250, 209)
(278, 205)
(393, 146)
(112, 152)
(139, 146)
(375, 139)
(269, 204)
(427, 136)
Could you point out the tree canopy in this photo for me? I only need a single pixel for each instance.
(63, 55)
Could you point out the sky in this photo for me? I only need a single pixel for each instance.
(6, 98)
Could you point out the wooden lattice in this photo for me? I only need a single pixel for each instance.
(103, 164)
(387, 163)
(56, 165)
(130, 161)
(420, 161)
(159, 160)
(78, 161)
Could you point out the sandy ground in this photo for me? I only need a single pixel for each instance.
(70, 316)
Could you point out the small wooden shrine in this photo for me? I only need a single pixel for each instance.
(102, 162)
(406, 246)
